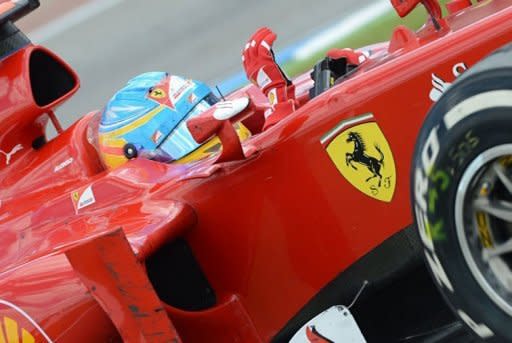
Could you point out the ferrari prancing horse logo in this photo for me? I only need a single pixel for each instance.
(157, 93)
(362, 155)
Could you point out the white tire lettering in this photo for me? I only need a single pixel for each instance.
(422, 228)
(420, 189)
(481, 330)
(438, 270)
(428, 156)
(430, 151)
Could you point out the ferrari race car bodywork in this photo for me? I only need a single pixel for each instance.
(246, 248)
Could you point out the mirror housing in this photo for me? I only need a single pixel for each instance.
(34, 81)
(218, 121)
(404, 7)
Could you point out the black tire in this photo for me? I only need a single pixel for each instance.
(470, 120)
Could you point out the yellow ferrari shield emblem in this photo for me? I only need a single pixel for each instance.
(157, 93)
(362, 155)
(75, 196)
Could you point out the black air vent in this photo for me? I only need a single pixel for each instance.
(49, 79)
(178, 279)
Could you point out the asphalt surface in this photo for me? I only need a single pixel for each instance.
(201, 39)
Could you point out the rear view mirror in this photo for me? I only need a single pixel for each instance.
(404, 7)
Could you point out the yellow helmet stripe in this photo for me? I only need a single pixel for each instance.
(112, 142)
(139, 122)
(113, 161)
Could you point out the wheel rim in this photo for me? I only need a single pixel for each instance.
(483, 222)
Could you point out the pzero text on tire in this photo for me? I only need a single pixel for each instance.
(462, 196)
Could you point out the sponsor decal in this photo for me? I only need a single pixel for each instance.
(63, 165)
(439, 85)
(314, 336)
(272, 97)
(178, 87)
(157, 93)
(9, 154)
(156, 136)
(262, 79)
(16, 326)
(83, 198)
(13, 333)
(362, 155)
(430, 230)
(428, 156)
(336, 324)
(192, 98)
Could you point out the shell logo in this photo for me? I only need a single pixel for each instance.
(12, 333)
(17, 326)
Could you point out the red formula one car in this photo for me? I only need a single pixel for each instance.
(303, 232)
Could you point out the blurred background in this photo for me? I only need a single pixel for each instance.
(109, 41)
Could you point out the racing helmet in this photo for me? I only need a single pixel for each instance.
(147, 118)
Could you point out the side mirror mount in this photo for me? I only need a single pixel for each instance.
(218, 121)
(404, 7)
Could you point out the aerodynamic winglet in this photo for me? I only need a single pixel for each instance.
(117, 280)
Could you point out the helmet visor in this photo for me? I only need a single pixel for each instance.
(180, 143)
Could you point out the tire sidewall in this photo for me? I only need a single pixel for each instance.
(440, 159)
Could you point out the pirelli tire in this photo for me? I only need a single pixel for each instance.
(461, 188)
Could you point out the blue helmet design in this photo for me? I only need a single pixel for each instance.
(150, 113)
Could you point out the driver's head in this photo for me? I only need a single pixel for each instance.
(147, 118)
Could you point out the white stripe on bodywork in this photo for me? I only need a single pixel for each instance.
(476, 103)
(344, 124)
